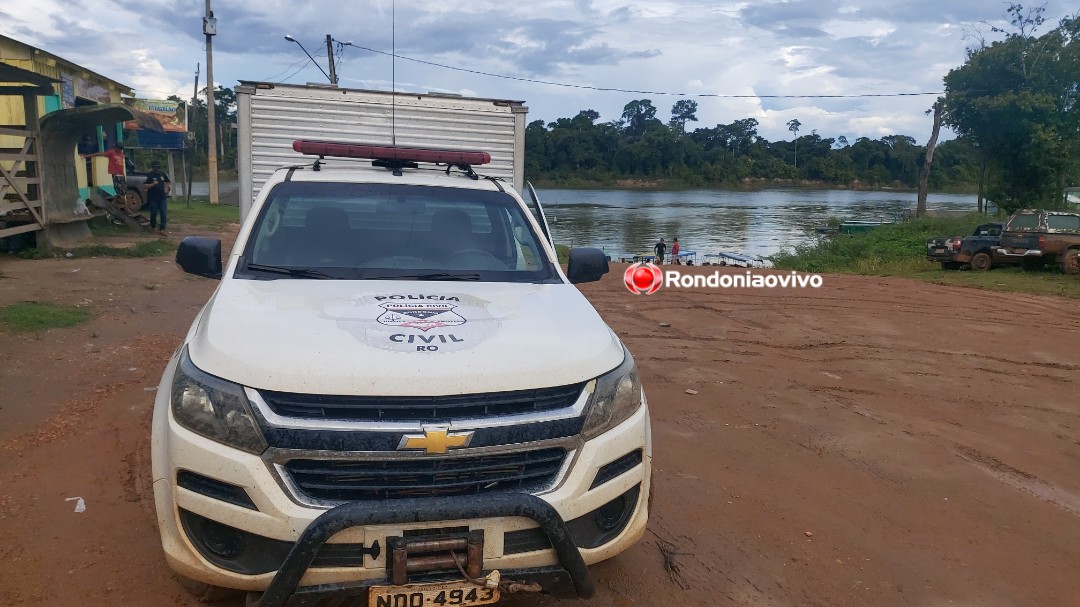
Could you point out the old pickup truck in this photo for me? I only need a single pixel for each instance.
(976, 250)
(1042, 237)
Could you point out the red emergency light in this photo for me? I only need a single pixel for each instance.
(391, 153)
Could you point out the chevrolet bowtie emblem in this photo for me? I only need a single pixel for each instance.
(436, 440)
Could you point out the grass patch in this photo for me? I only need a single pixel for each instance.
(202, 213)
(146, 248)
(874, 251)
(30, 316)
(1049, 281)
(900, 250)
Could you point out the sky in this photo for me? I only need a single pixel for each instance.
(748, 48)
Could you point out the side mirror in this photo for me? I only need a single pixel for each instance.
(200, 256)
(586, 265)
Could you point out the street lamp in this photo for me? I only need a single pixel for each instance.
(291, 39)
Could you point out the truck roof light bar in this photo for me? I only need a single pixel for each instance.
(389, 155)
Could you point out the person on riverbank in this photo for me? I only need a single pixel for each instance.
(660, 249)
(675, 252)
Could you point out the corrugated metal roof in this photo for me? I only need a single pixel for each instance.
(42, 68)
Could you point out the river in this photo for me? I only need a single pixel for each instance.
(752, 222)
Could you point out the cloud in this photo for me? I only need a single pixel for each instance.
(729, 47)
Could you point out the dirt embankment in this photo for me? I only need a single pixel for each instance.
(872, 442)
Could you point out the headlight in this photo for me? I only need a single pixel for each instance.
(616, 397)
(214, 408)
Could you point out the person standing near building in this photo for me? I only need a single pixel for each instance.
(660, 249)
(675, 252)
(158, 187)
(116, 166)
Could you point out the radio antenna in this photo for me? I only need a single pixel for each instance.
(393, 72)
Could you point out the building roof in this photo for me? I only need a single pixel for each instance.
(36, 53)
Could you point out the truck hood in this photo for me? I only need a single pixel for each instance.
(400, 338)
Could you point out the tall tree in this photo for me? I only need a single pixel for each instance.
(637, 116)
(793, 126)
(684, 110)
(924, 174)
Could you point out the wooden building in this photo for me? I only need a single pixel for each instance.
(33, 84)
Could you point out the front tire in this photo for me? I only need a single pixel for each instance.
(1070, 262)
(133, 201)
(981, 262)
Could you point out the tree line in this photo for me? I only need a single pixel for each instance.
(581, 151)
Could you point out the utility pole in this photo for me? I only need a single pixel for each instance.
(330, 56)
(188, 167)
(210, 29)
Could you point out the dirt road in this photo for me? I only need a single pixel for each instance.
(872, 442)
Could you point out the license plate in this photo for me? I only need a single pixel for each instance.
(939, 250)
(449, 594)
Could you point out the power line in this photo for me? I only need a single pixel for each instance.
(302, 68)
(638, 92)
(290, 67)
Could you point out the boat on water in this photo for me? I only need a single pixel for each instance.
(858, 227)
(686, 258)
(850, 227)
(733, 259)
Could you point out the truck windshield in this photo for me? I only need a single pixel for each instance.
(390, 231)
(1065, 223)
(1024, 221)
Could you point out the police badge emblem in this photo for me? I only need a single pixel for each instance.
(421, 316)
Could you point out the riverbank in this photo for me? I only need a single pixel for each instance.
(899, 250)
(745, 185)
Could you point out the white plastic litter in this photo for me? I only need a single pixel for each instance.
(80, 503)
(80, 207)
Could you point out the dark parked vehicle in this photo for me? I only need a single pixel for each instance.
(976, 250)
(135, 199)
(1041, 237)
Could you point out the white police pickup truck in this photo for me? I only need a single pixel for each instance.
(396, 397)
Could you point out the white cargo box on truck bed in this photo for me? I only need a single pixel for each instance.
(271, 116)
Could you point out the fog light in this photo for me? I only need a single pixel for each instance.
(610, 515)
(221, 540)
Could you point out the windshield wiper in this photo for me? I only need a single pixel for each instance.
(295, 272)
(433, 276)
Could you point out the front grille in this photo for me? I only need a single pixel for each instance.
(422, 408)
(335, 480)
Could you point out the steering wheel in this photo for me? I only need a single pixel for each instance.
(476, 259)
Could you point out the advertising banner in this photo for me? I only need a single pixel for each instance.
(170, 114)
(92, 90)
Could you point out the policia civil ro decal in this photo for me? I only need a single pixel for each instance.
(424, 317)
(419, 322)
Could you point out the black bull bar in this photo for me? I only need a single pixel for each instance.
(422, 510)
